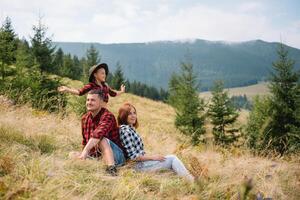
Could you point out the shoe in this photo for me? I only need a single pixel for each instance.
(112, 170)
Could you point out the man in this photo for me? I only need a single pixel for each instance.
(100, 134)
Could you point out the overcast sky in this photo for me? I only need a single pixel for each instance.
(123, 21)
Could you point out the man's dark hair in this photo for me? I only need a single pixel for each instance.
(99, 92)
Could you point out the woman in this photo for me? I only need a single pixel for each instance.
(133, 144)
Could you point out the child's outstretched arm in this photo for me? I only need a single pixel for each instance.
(65, 89)
(114, 93)
(122, 90)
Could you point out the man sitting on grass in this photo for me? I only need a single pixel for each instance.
(100, 134)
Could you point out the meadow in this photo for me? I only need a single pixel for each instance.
(34, 163)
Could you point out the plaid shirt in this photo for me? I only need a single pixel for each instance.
(93, 86)
(132, 142)
(102, 125)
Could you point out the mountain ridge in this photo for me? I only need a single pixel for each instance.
(237, 63)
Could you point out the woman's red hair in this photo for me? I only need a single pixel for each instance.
(123, 114)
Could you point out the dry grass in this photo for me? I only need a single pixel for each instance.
(33, 161)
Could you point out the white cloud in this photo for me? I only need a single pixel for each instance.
(141, 21)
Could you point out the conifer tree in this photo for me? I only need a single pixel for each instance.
(185, 99)
(274, 122)
(24, 58)
(76, 71)
(118, 77)
(222, 114)
(8, 46)
(58, 62)
(67, 66)
(42, 48)
(92, 58)
(283, 132)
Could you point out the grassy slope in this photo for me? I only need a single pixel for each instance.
(34, 162)
(249, 91)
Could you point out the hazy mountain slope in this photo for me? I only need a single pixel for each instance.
(153, 63)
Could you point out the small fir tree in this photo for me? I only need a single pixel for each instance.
(58, 62)
(223, 114)
(274, 122)
(92, 58)
(118, 77)
(42, 48)
(8, 46)
(185, 99)
(283, 132)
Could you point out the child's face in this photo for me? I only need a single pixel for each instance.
(100, 75)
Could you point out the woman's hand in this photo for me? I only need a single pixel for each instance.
(158, 157)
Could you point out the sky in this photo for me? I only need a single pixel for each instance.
(130, 21)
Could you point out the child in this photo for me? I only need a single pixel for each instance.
(97, 77)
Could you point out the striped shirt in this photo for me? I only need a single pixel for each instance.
(132, 142)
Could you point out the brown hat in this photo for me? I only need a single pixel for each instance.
(94, 69)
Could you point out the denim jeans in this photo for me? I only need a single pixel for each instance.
(171, 162)
(118, 153)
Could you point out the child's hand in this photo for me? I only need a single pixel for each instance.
(123, 88)
(62, 89)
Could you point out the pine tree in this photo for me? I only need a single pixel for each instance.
(76, 71)
(185, 99)
(42, 48)
(58, 62)
(118, 77)
(222, 114)
(283, 132)
(67, 66)
(92, 58)
(258, 120)
(8, 46)
(24, 58)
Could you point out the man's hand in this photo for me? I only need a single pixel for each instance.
(83, 155)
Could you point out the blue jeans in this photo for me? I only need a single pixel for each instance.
(118, 153)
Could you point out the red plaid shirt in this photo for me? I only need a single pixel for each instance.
(94, 86)
(102, 125)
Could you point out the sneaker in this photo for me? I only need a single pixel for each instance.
(112, 170)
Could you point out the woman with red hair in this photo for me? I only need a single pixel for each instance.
(133, 144)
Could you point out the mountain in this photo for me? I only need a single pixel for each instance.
(238, 64)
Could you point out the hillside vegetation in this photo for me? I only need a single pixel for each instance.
(34, 161)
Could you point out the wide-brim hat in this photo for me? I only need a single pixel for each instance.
(94, 68)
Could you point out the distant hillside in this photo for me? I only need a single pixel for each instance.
(249, 91)
(238, 64)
